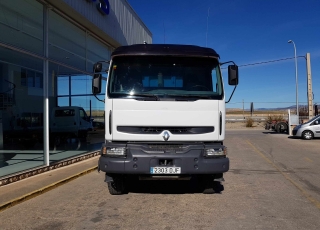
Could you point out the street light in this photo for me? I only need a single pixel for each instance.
(295, 58)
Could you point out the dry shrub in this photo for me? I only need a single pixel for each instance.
(274, 118)
(249, 122)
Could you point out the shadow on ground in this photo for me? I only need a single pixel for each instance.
(299, 138)
(272, 132)
(172, 187)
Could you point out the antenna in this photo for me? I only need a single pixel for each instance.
(164, 34)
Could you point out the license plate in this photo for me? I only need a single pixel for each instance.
(165, 170)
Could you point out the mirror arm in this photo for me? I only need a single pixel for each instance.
(108, 62)
(232, 94)
(98, 98)
(227, 62)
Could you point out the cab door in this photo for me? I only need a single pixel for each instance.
(85, 122)
(315, 127)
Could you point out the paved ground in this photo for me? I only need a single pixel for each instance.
(23, 189)
(273, 183)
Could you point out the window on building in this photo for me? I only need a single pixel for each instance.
(31, 78)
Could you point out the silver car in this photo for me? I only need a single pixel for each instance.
(308, 130)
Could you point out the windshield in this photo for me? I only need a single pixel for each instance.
(159, 77)
(312, 119)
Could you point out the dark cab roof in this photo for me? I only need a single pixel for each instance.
(165, 49)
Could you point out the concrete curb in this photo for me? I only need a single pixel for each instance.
(42, 169)
(47, 188)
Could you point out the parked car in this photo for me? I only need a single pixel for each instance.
(70, 121)
(308, 130)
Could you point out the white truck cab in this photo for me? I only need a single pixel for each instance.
(164, 113)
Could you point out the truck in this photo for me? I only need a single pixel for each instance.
(69, 122)
(164, 115)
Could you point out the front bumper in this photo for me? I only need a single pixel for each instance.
(138, 161)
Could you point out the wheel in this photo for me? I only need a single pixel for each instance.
(117, 186)
(282, 127)
(208, 186)
(82, 134)
(267, 127)
(307, 135)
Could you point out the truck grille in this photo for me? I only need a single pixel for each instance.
(158, 130)
(161, 129)
(165, 147)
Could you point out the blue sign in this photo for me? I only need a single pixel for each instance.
(102, 5)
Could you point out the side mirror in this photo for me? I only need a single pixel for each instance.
(233, 75)
(96, 83)
(97, 67)
(89, 119)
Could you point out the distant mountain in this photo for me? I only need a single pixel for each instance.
(292, 107)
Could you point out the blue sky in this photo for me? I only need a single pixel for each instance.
(246, 31)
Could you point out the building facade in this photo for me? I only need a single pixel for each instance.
(47, 50)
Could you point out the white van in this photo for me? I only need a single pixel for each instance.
(308, 130)
(70, 121)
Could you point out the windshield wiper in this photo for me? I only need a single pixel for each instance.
(190, 97)
(144, 95)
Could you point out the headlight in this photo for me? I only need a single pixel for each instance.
(212, 152)
(113, 151)
(297, 127)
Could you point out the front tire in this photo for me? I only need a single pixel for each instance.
(209, 186)
(117, 186)
(307, 135)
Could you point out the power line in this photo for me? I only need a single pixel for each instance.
(265, 62)
(269, 102)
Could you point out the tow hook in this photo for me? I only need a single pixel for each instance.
(108, 179)
(218, 177)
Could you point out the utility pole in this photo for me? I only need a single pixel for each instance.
(243, 108)
(296, 67)
(164, 34)
(207, 28)
(309, 87)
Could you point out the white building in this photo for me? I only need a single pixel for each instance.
(48, 47)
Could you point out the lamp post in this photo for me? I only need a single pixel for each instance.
(295, 58)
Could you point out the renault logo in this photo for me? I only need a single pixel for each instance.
(166, 135)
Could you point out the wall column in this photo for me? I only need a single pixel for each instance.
(45, 87)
